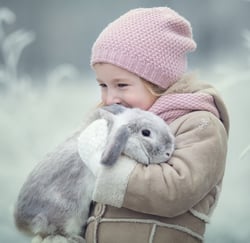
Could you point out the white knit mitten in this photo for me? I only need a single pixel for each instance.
(91, 144)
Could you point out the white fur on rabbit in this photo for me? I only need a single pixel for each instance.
(54, 201)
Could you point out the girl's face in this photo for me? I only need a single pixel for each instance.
(119, 86)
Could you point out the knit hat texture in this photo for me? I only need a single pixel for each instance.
(150, 42)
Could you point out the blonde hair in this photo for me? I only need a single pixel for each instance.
(158, 91)
(154, 89)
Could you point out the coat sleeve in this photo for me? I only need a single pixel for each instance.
(169, 189)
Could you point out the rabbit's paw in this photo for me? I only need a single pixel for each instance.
(62, 239)
(55, 239)
(37, 239)
(76, 239)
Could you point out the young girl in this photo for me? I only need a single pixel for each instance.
(140, 60)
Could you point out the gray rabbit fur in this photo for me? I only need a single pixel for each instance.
(53, 203)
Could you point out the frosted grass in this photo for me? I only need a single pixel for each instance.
(36, 115)
(230, 222)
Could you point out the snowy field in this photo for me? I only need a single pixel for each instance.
(36, 116)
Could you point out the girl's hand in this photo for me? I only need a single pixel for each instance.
(91, 143)
(111, 181)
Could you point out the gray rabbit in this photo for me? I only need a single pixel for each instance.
(53, 204)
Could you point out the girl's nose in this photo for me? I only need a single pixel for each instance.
(112, 98)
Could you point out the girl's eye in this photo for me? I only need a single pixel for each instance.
(145, 132)
(102, 85)
(122, 85)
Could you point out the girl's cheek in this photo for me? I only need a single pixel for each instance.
(103, 97)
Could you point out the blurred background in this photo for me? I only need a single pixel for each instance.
(47, 88)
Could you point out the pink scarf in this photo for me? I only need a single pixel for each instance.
(171, 106)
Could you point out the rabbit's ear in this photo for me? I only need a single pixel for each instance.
(114, 109)
(115, 145)
(106, 112)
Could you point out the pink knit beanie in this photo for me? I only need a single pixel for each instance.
(150, 42)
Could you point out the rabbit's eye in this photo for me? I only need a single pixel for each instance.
(145, 132)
